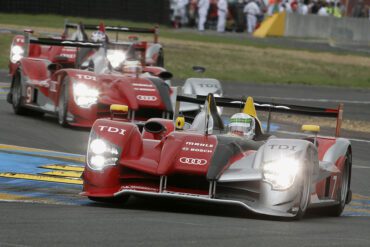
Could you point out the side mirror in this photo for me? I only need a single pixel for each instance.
(198, 69)
(154, 127)
(165, 75)
(314, 129)
(116, 109)
(54, 66)
(180, 122)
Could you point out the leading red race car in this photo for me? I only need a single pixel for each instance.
(44, 81)
(266, 175)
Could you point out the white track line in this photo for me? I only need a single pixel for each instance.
(361, 167)
(303, 134)
(317, 100)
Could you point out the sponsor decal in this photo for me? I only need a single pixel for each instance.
(29, 94)
(199, 150)
(144, 89)
(193, 161)
(146, 97)
(112, 129)
(207, 85)
(137, 187)
(282, 147)
(198, 147)
(53, 86)
(142, 85)
(68, 55)
(69, 48)
(86, 77)
(199, 144)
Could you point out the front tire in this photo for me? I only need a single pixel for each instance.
(304, 196)
(337, 210)
(17, 95)
(63, 103)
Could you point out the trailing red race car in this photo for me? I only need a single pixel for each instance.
(44, 81)
(153, 56)
(266, 175)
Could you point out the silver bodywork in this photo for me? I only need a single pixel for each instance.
(243, 183)
(199, 86)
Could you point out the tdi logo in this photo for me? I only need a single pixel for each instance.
(112, 129)
(86, 77)
(282, 147)
(146, 97)
(193, 161)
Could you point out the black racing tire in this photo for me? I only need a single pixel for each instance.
(63, 103)
(160, 59)
(120, 199)
(337, 210)
(305, 196)
(16, 91)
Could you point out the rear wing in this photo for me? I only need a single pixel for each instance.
(270, 107)
(117, 29)
(139, 47)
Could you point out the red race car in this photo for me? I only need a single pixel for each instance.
(44, 80)
(207, 163)
(154, 55)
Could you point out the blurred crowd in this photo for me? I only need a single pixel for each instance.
(246, 15)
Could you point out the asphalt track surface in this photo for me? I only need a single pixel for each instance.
(143, 222)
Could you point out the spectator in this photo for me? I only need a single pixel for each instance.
(359, 10)
(315, 6)
(179, 14)
(222, 10)
(303, 8)
(203, 6)
(285, 6)
(192, 13)
(294, 6)
(273, 7)
(251, 10)
(323, 11)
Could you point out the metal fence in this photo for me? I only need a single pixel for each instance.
(154, 11)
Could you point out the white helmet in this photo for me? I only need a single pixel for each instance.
(98, 36)
(243, 125)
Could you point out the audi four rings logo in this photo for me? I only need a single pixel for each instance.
(146, 97)
(193, 161)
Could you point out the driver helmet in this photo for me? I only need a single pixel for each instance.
(243, 125)
(98, 36)
(132, 67)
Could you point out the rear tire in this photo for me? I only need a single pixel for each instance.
(337, 210)
(17, 95)
(63, 103)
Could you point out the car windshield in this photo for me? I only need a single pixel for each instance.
(113, 57)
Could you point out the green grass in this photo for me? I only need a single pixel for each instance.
(226, 58)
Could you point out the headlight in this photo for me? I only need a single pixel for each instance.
(85, 96)
(281, 173)
(16, 53)
(101, 154)
(116, 57)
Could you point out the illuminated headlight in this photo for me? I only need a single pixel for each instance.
(101, 154)
(281, 173)
(116, 57)
(16, 53)
(85, 96)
